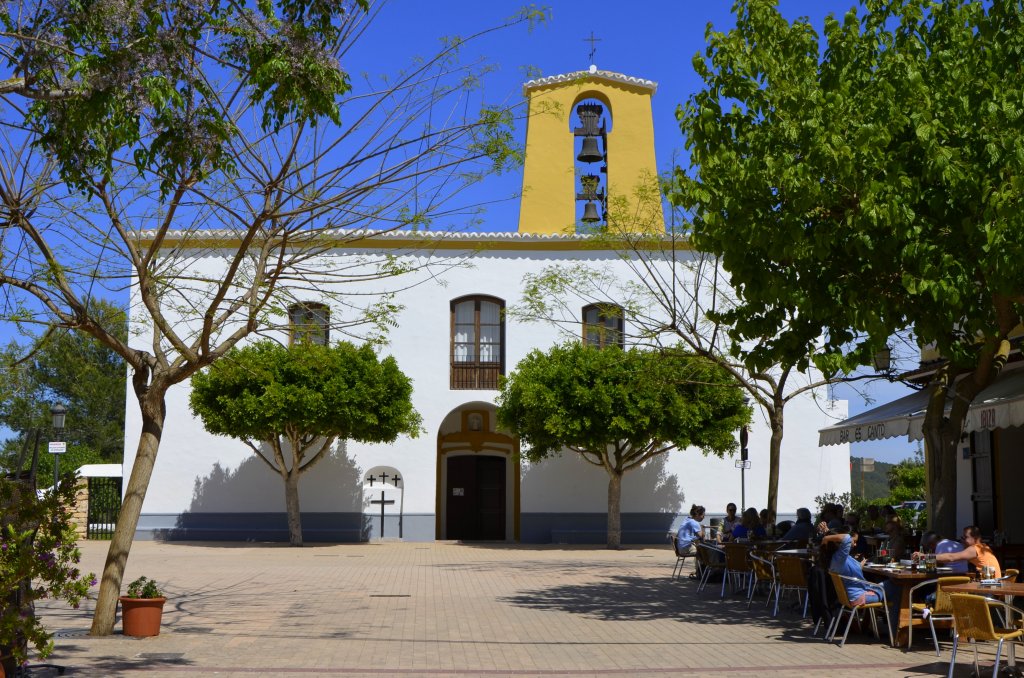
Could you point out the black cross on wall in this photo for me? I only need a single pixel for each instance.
(383, 502)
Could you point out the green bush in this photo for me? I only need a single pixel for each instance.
(38, 559)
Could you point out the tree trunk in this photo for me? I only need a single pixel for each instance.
(614, 509)
(774, 461)
(153, 410)
(940, 450)
(943, 434)
(291, 500)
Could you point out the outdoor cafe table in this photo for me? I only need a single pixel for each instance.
(802, 553)
(1007, 589)
(906, 580)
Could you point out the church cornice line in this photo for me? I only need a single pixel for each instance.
(430, 240)
(608, 76)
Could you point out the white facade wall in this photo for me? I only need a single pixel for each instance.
(200, 474)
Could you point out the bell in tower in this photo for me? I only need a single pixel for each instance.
(594, 136)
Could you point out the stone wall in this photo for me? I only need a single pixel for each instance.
(80, 517)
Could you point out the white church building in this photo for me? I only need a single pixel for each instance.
(463, 478)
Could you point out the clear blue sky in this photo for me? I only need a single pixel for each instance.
(655, 40)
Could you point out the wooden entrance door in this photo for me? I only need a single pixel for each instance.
(475, 505)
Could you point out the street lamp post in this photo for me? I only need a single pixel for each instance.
(743, 463)
(57, 447)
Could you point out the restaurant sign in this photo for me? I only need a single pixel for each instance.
(855, 434)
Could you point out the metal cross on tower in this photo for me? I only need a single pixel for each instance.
(593, 47)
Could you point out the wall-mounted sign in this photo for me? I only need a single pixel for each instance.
(458, 492)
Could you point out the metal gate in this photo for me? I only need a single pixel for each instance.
(104, 505)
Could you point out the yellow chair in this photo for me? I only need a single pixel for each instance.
(791, 575)
(942, 608)
(847, 605)
(737, 567)
(763, 571)
(972, 619)
(681, 556)
(1009, 576)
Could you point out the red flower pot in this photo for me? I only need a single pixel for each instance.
(140, 617)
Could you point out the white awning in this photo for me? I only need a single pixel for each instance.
(1001, 405)
(890, 420)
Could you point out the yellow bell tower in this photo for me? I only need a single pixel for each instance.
(567, 184)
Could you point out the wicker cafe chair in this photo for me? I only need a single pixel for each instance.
(972, 620)
(847, 605)
(737, 567)
(1009, 576)
(763, 571)
(791, 575)
(942, 609)
(709, 559)
(681, 557)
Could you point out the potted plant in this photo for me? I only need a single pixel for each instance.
(142, 608)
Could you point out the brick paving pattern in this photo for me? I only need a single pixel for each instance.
(443, 609)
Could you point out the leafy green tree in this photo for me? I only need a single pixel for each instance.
(77, 370)
(291, 404)
(74, 458)
(226, 129)
(866, 183)
(672, 294)
(617, 409)
(907, 480)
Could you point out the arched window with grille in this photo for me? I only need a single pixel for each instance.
(309, 321)
(478, 342)
(602, 325)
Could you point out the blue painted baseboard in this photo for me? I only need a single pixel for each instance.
(535, 528)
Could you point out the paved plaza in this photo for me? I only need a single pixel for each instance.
(443, 609)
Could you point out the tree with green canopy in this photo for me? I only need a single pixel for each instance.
(75, 369)
(865, 183)
(618, 408)
(291, 404)
(142, 137)
(672, 294)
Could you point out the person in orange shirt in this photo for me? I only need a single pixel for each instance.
(975, 552)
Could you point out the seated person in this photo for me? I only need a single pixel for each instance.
(690, 531)
(861, 549)
(894, 528)
(931, 542)
(872, 521)
(766, 522)
(730, 521)
(974, 552)
(802, 529)
(843, 563)
(750, 527)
